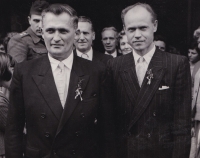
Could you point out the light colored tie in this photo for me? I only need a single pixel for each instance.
(85, 56)
(61, 83)
(140, 70)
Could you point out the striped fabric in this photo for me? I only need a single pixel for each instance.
(152, 123)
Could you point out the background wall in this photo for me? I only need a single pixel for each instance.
(177, 18)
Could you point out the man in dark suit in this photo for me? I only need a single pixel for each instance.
(151, 91)
(109, 39)
(83, 41)
(59, 97)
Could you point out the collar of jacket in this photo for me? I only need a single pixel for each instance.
(35, 38)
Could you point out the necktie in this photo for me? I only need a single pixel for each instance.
(85, 56)
(61, 82)
(140, 70)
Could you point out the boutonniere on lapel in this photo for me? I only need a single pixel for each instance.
(79, 90)
(149, 76)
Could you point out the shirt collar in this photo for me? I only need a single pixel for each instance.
(67, 62)
(35, 38)
(114, 54)
(147, 57)
(89, 53)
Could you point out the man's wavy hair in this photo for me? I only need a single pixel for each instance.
(6, 61)
(58, 9)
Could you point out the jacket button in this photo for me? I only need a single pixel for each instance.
(77, 134)
(47, 135)
(73, 152)
(82, 115)
(43, 115)
(54, 152)
(148, 135)
(154, 113)
(95, 121)
(94, 94)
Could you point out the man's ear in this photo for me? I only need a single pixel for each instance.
(93, 35)
(155, 25)
(124, 27)
(29, 20)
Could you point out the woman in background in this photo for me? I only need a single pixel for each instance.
(123, 43)
(6, 71)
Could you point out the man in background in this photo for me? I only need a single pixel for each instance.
(29, 44)
(83, 41)
(109, 38)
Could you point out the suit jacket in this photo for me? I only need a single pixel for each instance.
(75, 131)
(152, 123)
(196, 96)
(98, 56)
(3, 116)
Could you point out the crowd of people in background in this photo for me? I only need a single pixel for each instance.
(135, 99)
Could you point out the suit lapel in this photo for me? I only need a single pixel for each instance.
(129, 77)
(77, 74)
(45, 83)
(147, 91)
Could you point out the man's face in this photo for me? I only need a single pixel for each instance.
(193, 55)
(84, 37)
(139, 29)
(124, 46)
(161, 45)
(109, 40)
(35, 22)
(58, 34)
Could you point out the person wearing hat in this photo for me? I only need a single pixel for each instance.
(29, 44)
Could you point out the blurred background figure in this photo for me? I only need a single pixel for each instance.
(7, 39)
(2, 48)
(29, 44)
(6, 70)
(109, 41)
(193, 55)
(123, 43)
(197, 36)
(160, 42)
(85, 35)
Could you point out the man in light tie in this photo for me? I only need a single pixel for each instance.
(59, 97)
(152, 91)
(85, 35)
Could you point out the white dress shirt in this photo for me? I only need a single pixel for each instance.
(89, 54)
(67, 71)
(114, 54)
(147, 57)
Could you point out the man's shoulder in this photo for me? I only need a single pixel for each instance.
(90, 65)
(30, 65)
(177, 58)
(101, 55)
(23, 36)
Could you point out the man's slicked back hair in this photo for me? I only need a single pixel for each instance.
(86, 19)
(110, 28)
(58, 9)
(144, 5)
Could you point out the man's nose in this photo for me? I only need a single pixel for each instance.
(108, 41)
(137, 33)
(40, 24)
(82, 37)
(56, 37)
